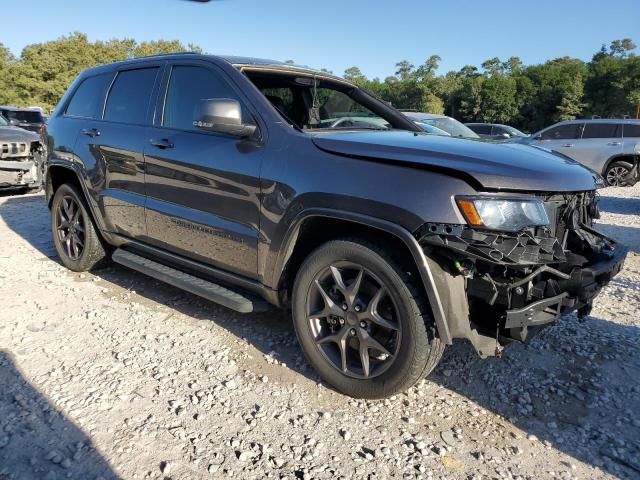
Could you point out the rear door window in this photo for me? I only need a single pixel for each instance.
(563, 132)
(88, 99)
(601, 130)
(632, 130)
(130, 96)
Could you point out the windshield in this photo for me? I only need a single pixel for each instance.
(514, 132)
(451, 126)
(27, 116)
(321, 104)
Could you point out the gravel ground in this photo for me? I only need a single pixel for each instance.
(114, 375)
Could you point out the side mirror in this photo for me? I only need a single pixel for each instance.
(222, 115)
(505, 135)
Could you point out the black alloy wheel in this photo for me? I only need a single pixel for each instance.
(70, 227)
(353, 320)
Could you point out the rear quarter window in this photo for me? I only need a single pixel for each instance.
(88, 99)
(632, 130)
(130, 95)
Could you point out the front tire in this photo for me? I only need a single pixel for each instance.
(74, 235)
(616, 172)
(361, 320)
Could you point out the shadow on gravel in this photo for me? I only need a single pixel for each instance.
(28, 216)
(620, 205)
(628, 236)
(580, 396)
(36, 440)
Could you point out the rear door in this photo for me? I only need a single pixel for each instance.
(112, 147)
(202, 187)
(600, 141)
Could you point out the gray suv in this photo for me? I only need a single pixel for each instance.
(607, 146)
(234, 179)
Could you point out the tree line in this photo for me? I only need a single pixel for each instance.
(528, 97)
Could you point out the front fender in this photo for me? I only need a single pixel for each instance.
(421, 262)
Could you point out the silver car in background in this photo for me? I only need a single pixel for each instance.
(607, 146)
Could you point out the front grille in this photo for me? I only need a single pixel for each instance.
(14, 149)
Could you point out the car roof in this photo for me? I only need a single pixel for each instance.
(235, 61)
(599, 120)
(19, 109)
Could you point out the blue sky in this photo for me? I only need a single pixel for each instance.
(337, 34)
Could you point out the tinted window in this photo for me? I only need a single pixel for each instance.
(600, 130)
(26, 116)
(632, 130)
(88, 99)
(481, 129)
(130, 95)
(562, 132)
(187, 87)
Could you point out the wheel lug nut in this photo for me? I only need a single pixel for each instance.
(352, 332)
(342, 321)
(344, 306)
(358, 308)
(363, 324)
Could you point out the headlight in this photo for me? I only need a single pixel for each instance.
(510, 215)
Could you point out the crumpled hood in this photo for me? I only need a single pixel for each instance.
(12, 134)
(495, 166)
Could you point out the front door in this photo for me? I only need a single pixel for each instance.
(562, 138)
(202, 188)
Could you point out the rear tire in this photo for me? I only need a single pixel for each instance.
(616, 172)
(338, 307)
(74, 235)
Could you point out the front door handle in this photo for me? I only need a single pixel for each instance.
(614, 144)
(568, 145)
(163, 143)
(91, 132)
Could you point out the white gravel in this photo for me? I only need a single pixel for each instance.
(114, 375)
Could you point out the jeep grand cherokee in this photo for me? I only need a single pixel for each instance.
(235, 179)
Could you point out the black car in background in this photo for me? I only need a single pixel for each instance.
(31, 119)
(235, 179)
(495, 131)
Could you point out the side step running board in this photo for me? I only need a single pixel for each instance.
(198, 286)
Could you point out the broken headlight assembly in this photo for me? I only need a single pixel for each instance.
(507, 215)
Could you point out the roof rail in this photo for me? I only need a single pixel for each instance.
(595, 117)
(166, 55)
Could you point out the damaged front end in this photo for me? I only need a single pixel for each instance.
(21, 164)
(516, 282)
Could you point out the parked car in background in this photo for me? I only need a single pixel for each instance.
(495, 131)
(606, 146)
(21, 158)
(450, 125)
(229, 177)
(31, 119)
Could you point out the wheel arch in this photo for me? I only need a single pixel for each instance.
(313, 227)
(622, 157)
(61, 172)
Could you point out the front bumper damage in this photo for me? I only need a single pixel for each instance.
(516, 283)
(20, 165)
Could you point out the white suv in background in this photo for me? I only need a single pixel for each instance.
(607, 146)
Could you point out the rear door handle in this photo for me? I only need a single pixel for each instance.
(614, 143)
(568, 145)
(91, 132)
(163, 143)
